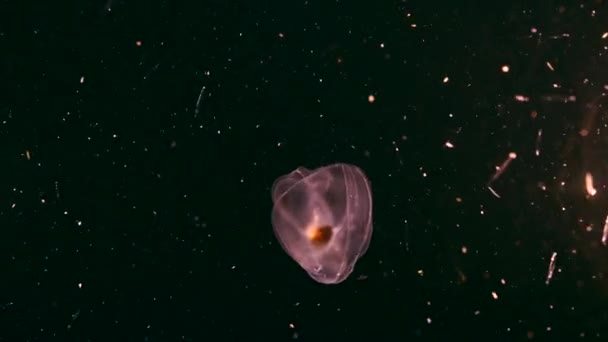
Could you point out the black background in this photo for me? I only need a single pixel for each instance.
(130, 210)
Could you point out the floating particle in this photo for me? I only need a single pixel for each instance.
(521, 98)
(591, 191)
(198, 101)
(75, 316)
(560, 98)
(494, 192)
(539, 135)
(505, 68)
(551, 268)
(605, 232)
(499, 171)
(57, 194)
(371, 98)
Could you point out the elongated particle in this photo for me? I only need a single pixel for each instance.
(605, 232)
(551, 268)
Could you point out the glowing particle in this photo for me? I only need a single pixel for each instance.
(605, 35)
(449, 144)
(138, 43)
(198, 101)
(551, 268)
(521, 98)
(446, 79)
(550, 66)
(494, 295)
(589, 184)
(371, 98)
(505, 68)
(605, 232)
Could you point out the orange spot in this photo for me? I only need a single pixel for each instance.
(319, 235)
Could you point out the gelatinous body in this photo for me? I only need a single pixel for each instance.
(323, 219)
